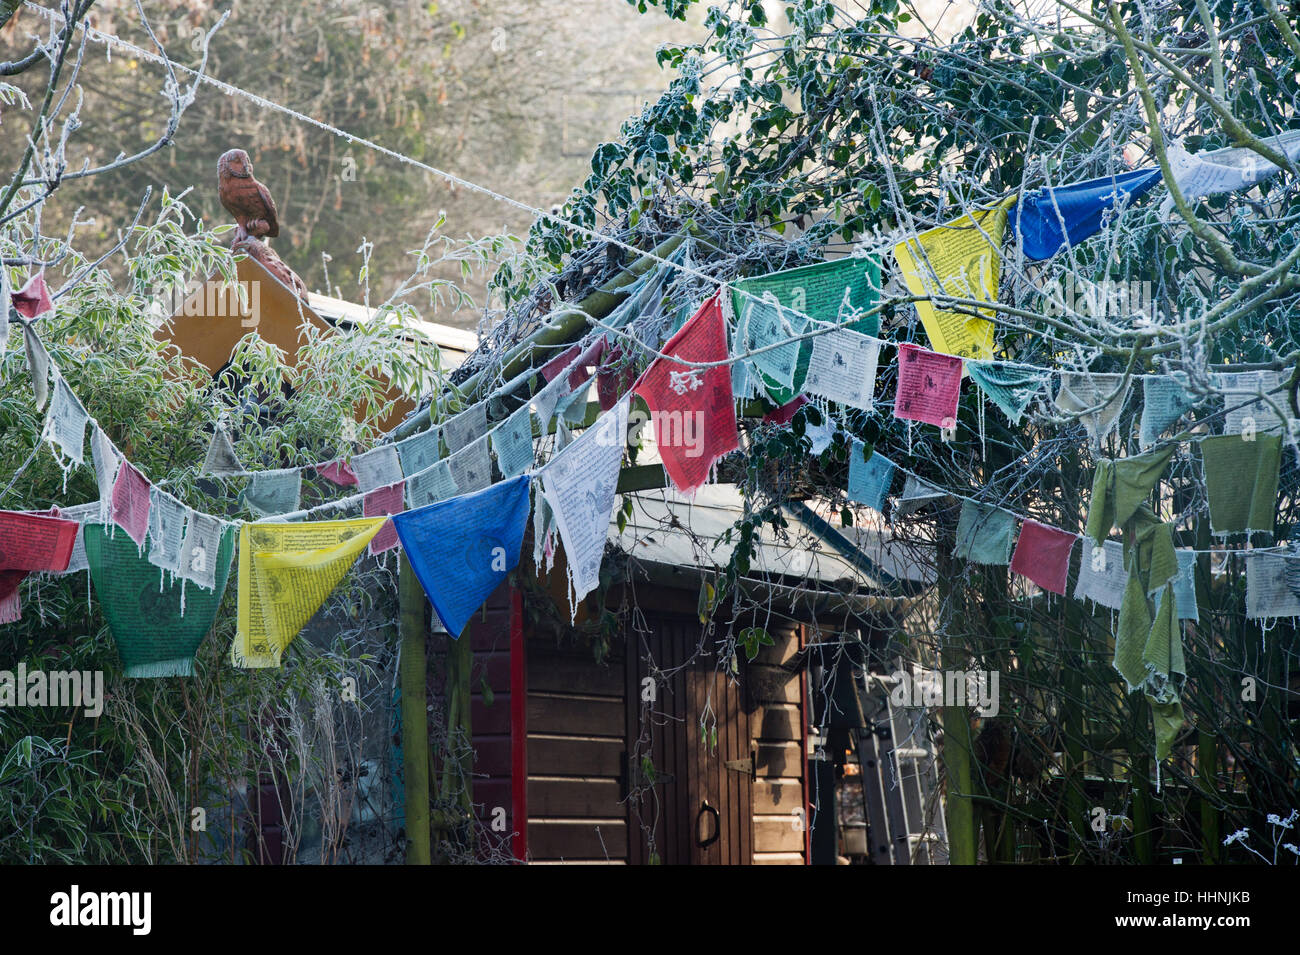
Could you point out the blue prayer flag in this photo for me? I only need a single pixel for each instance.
(462, 548)
(869, 480)
(1038, 218)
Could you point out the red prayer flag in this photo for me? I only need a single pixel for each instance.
(1043, 555)
(30, 542)
(338, 471)
(590, 357)
(928, 386)
(130, 503)
(559, 363)
(33, 298)
(382, 502)
(786, 412)
(693, 408)
(615, 377)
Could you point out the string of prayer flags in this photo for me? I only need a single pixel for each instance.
(552, 369)
(929, 385)
(462, 549)
(1009, 387)
(1268, 593)
(1241, 480)
(692, 408)
(1121, 486)
(376, 468)
(30, 542)
(1050, 220)
(470, 425)
(200, 549)
(1102, 577)
(428, 486)
(286, 571)
(917, 494)
(166, 530)
(1164, 401)
(82, 514)
(985, 534)
(221, 460)
(158, 626)
(274, 492)
(512, 441)
(65, 425)
(32, 299)
(384, 502)
(471, 466)
(419, 451)
(870, 479)
(959, 259)
(130, 503)
(1217, 171)
(1251, 400)
(1043, 555)
(843, 368)
(338, 472)
(1096, 399)
(580, 485)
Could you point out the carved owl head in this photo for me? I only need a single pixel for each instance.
(235, 162)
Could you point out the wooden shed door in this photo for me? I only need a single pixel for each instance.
(693, 808)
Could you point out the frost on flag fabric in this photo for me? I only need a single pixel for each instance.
(869, 480)
(471, 467)
(1241, 479)
(917, 494)
(65, 425)
(551, 370)
(1164, 401)
(107, 460)
(157, 624)
(1096, 399)
(1185, 586)
(384, 502)
(959, 259)
(1102, 577)
(512, 440)
(617, 374)
(83, 514)
(772, 333)
(1217, 171)
(843, 368)
(692, 408)
(434, 484)
(130, 503)
(840, 291)
(470, 425)
(338, 472)
(985, 534)
(166, 530)
(33, 298)
(462, 549)
(1122, 486)
(1268, 595)
(544, 403)
(420, 450)
(1043, 555)
(220, 460)
(1010, 388)
(200, 548)
(30, 542)
(38, 365)
(377, 468)
(286, 571)
(929, 385)
(274, 492)
(1251, 401)
(579, 485)
(1051, 220)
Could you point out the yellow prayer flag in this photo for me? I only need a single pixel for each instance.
(285, 573)
(957, 259)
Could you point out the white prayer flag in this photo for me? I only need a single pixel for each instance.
(378, 468)
(843, 368)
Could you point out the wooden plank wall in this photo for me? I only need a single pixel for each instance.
(776, 693)
(576, 728)
(489, 633)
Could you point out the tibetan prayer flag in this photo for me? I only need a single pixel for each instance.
(840, 291)
(38, 366)
(1185, 586)
(200, 549)
(1121, 486)
(338, 472)
(843, 368)
(1009, 387)
(692, 408)
(471, 466)
(579, 485)
(33, 298)
(462, 549)
(130, 508)
(1251, 401)
(1164, 401)
(1217, 171)
(1241, 480)
(929, 385)
(869, 480)
(166, 530)
(1043, 555)
(286, 571)
(512, 440)
(30, 542)
(1102, 577)
(65, 425)
(220, 460)
(274, 492)
(83, 514)
(470, 425)
(1097, 400)
(985, 534)
(434, 484)
(419, 451)
(377, 468)
(785, 414)
(384, 502)
(617, 374)
(552, 369)
(959, 259)
(917, 494)
(1051, 220)
(157, 623)
(107, 460)
(1268, 594)
(772, 334)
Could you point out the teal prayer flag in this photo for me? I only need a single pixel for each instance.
(870, 480)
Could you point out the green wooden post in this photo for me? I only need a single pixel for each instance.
(959, 806)
(415, 719)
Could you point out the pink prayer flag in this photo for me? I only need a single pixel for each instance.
(591, 357)
(693, 408)
(338, 471)
(786, 412)
(559, 363)
(33, 298)
(131, 503)
(30, 542)
(1043, 555)
(382, 502)
(928, 386)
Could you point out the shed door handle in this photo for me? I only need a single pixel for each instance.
(705, 842)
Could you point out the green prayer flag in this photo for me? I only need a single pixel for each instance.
(1131, 635)
(1120, 487)
(1241, 482)
(1149, 552)
(1168, 720)
(1009, 387)
(985, 534)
